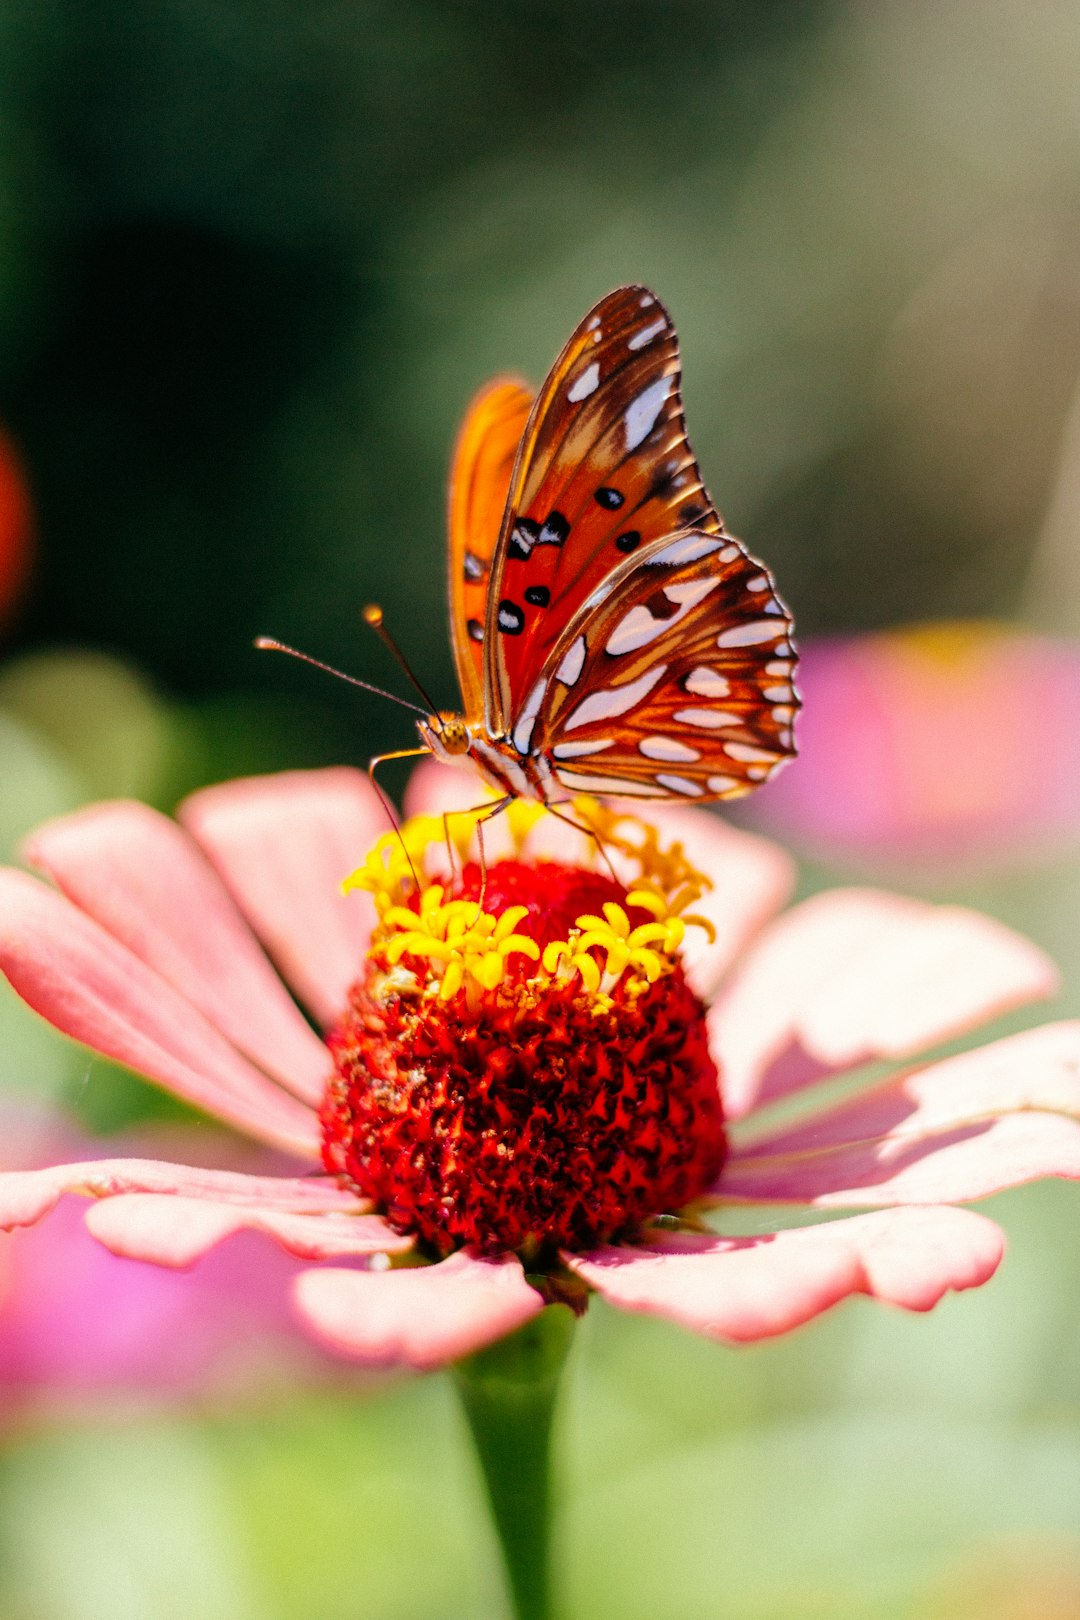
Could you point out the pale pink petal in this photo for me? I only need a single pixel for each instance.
(951, 1132)
(740, 1289)
(421, 1317)
(283, 845)
(176, 1231)
(141, 876)
(856, 974)
(27, 1196)
(92, 988)
(751, 877)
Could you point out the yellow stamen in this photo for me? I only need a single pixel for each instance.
(466, 949)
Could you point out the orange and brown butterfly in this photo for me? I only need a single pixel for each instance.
(610, 637)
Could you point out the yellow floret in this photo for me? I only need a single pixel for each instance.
(467, 948)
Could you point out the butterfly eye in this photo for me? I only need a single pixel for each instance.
(453, 734)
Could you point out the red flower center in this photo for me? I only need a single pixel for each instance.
(539, 1111)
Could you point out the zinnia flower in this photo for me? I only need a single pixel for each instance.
(951, 747)
(538, 1076)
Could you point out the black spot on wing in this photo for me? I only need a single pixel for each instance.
(607, 497)
(474, 568)
(474, 629)
(628, 541)
(523, 536)
(691, 512)
(554, 531)
(537, 595)
(510, 618)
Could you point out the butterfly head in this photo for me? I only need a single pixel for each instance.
(446, 734)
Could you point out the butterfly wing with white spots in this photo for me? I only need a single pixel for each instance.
(604, 468)
(676, 683)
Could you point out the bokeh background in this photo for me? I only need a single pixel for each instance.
(254, 257)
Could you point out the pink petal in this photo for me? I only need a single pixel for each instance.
(27, 1196)
(741, 1289)
(856, 974)
(951, 1132)
(423, 1317)
(283, 845)
(140, 876)
(176, 1231)
(751, 877)
(92, 988)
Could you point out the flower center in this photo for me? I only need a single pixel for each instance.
(522, 1064)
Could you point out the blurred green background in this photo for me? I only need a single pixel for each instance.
(253, 260)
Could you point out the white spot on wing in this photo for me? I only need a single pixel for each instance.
(706, 682)
(572, 664)
(758, 583)
(686, 550)
(645, 300)
(776, 694)
(636, 630)
(527, 719)
(593, 324)
(609, 784)
(586, 383)
(688, 592)
(778, 666)
(747, 635)
(642, 413)
(729, 554)
(723, 784)
(748, 755)
(669, 749)
(613, 700)
(640, 625)
(681, 784)
(574, 750)
(707, 719)
(646, 335)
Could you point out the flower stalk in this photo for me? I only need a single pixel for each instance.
(509, 1393)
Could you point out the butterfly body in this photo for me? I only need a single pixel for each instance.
(609, 635)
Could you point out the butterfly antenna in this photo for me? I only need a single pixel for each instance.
(373, 616)
(268, 644)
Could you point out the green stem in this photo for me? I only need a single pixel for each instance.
(509, 1392)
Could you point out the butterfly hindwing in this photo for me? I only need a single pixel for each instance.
(479, 480)
(676, 683)
(603, 470)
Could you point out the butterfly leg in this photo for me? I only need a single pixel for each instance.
(591, 833)
(492, 810)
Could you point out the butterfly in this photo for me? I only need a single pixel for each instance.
(609, 636)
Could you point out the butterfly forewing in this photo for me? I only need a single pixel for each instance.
(479, 482)
(676, 683)
(604, 468)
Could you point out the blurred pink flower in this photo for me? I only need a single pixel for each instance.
(79, 1324)
(148, 953)
(948, 746)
